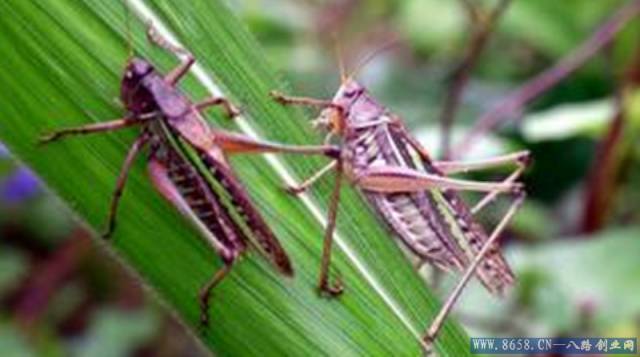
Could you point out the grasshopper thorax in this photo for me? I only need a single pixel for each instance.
(352, 106)
(135, 96)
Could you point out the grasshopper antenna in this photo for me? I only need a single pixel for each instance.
(129, 37)
(366, 59)
(337, 47)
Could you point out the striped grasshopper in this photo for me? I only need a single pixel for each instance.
(415, 195)
(188, 166)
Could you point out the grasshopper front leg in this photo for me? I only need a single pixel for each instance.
(177, 73)
(302, 187)
(229, 108)
(323, 278)
(289, 100)
(183, 68)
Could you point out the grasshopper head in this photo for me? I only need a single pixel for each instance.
(352, 106)
(135, 96)
(348, 93)
(334, 118)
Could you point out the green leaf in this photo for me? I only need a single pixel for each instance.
(12, 343)
(596, 269)
(61, 65)
(554, 27)
(569, 120)
(442, 32)
(122, 331)
(560, 278)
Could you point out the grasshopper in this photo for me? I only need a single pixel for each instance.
(187, 163)
(414, 194)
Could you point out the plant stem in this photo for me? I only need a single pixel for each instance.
(513, 104)
(483, 28)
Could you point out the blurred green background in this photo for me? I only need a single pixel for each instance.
(574, 246)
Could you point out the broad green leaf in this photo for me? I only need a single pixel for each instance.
(61, 65)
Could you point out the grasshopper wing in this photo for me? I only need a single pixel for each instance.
(466, 237)
(259, 232)
(191, 128)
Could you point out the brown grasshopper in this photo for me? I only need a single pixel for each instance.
(188, 166)
(414, 194)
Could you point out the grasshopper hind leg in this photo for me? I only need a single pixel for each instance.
(438, 321)
(205, 292)
(160, 177)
